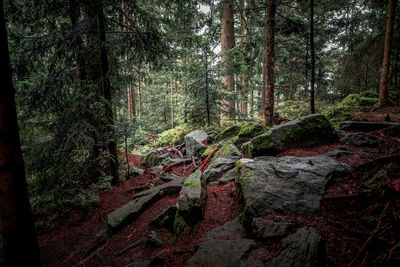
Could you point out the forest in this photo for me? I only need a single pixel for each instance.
(200, 133)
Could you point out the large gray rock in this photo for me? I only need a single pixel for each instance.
(230, 230)
(228, 177)
(217, 168)
(194, 141)
(220, 253)
(285, 184)
(192, 198)
(305, 248)
(306, 131)
(131, 210)
(264, 229)
(155, 157)
(228, 150)
(362, 140)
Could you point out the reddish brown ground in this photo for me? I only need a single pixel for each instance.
(341, 220)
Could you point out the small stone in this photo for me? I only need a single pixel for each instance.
(133, 172)
(153, 240)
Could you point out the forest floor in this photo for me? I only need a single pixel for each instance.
(348, 216)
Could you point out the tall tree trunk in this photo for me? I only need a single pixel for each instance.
(172, 103)
(20, 247)
(270, 65)
(227, 43)
(243, 77)
(312, 55)
(383, 90)
(130, 88)
(105, 83)
(207, 97)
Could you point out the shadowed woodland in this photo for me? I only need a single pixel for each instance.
(200, 133)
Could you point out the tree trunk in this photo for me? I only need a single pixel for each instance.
(312, 55)
(227, 43)
(270, 58)
(105, 83)
(243, 77)
(383, 90)
(20, 247)
(130, 89)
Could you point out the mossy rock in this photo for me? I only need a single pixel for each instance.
(228, 133)
(149, 160)
(228, 150)
(358, 100)
(252, 130)
(191, 201)
(306, 131)
(210, 149)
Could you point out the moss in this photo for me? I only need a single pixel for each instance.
(225, 150)
(229, 132)
(262, 143)
(247, 148)
(173, 239)
(194, 203)
(213, 183)
(252, 130)
(178, 223)
(358, 100)
(209, 149)
(192, 182)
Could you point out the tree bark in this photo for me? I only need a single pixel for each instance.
(20, 247)
(105, 83)
(130, 88)
(383, 90)
(312, 57)
(270, 65)
(227, 43)
(243, 77)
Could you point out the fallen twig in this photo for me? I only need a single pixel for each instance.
(208, 157)
(133, 245)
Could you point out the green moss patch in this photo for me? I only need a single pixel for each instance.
(228, 133)
(252, 130)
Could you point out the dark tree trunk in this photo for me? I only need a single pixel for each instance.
(312, 55)
(20, 247)
(227, 43)
(270, 62)
(383, 90)
(105, 83)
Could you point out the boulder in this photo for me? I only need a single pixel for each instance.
(228, 150)
(250, 130)
(131, 210)
(155, 157)
(219, 253)
(303, 248)
(228, 133)
(228, 177)
(366, 126)
(291, 184)
(192, 198)
(194, 142)
(362, 140)
(133, 172)
(217, 168)
(264, 229)
(165, 218)
(306, 131)
(230, 230)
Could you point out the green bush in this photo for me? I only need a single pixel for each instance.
(358, 100)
